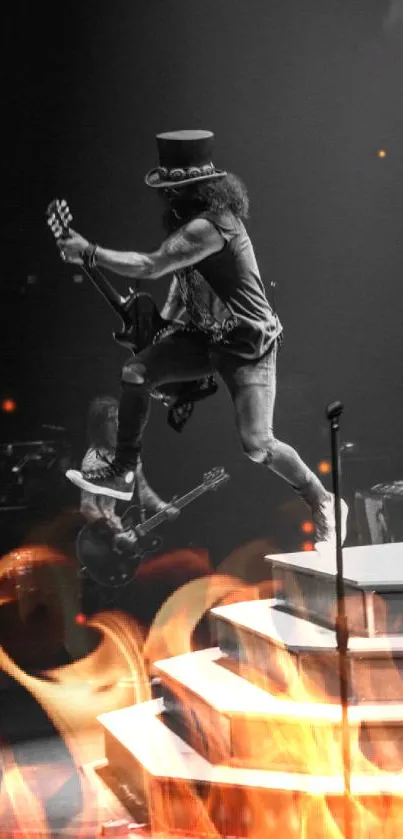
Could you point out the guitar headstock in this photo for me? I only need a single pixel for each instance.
(58, 217)
(215, 477)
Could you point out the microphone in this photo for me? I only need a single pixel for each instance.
(334, 410)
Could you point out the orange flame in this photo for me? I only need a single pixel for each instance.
(300, 737)
(17, 797)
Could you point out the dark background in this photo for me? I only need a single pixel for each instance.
(301, 96)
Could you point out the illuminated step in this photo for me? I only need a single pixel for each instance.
(228, 719)
(185, 792)
(260, 635)
(373, 577)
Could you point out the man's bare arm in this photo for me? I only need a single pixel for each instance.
(193, 242)
(187, 246)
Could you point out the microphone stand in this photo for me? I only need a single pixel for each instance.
(333, 413)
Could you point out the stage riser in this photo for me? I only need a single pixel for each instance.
(129, 774)
(255, 743)
(373, 678)
(277, 745)
(313, 597)
(195, 808)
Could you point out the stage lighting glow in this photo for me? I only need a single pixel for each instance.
(307, 526)
(324, 467)
(382, 153)
(307, 546)
(8, 405)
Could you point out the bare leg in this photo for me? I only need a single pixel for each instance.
(253, 390)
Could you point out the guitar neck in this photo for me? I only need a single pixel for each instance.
(59, 218)
(159, 517)
(112, 297)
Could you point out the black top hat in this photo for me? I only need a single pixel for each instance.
(184, 158)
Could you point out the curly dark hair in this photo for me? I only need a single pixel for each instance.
(99, 412)
(218, 195)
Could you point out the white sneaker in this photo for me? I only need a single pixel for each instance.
(114, 480)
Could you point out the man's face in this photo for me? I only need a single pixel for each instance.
(176, 202)
(172, 196)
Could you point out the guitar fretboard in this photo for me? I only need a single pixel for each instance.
(161, 516)
(102, 284)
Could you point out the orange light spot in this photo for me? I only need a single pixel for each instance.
(307, 527)
(382, 153)
(307, 546)
(324, 467)
(8, 405)
(80, 618)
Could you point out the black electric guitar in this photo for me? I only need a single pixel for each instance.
(142, 324)
(141, 320)
(107, 566)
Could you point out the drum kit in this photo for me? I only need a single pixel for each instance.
(32, 484)
(29, 470)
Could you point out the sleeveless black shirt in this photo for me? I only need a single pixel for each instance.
(225, 297)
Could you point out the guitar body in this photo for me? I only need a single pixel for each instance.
(103, 563)
(107, 566)
(142, 322)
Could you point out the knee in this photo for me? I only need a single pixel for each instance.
(257, 448)
(133, 372)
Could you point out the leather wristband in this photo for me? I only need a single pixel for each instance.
(89, 256)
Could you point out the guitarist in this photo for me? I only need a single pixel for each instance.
(233, 330)
(99, 510)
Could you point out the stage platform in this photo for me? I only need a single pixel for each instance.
(228, 718)
(185, 792)
(373, 576)
(246, 736)
(257, 634)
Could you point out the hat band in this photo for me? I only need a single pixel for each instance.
(181, 174)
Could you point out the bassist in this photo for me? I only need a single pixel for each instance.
(99, 510)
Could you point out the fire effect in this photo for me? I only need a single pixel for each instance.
(279, 774)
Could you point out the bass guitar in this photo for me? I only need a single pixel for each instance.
(99, 557)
